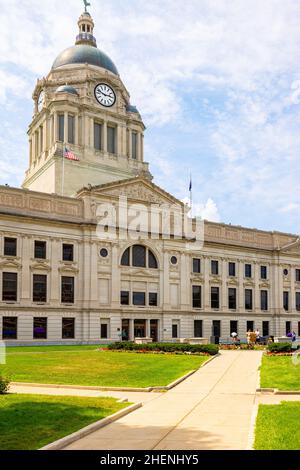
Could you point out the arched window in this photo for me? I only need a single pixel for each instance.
(139, 256)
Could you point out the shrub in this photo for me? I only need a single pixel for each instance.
(279, 347)
(4, 385)
(211, 349)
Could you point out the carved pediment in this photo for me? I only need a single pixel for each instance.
(292, 248)
(40, 265)
(10, 264)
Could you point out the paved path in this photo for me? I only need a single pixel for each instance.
(210, 410)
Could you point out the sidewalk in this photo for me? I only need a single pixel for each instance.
(210, 410)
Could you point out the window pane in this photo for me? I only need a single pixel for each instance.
(250, 326)
(288, 327)
(68, 328)
(40, 250)
(248, 299)
(139, 256)
(40, 328)
(263, 272)
(266, 331)
(174, 331)
(9, 327)
(68, 252)
(215, 297)
(196, 266)
(10, 287)
(152, 260)
(67, 289)
(61, 128)
(297, 275)
(248, 270)
(111, 139)
(10, 246)
(153, 299)
(104, 331)
(139, 298)
(97, 136)
(196, 296)
(124, 298)
(126, 258)
(234, 327)
(298, 301)
(231, 269)
(71, 129)
(232, 298)
(198, 333)
(264, 300)
(134, 145)
(39, 288)
(286, 301)
(215, 267)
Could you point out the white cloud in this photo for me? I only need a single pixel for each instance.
(207, 211)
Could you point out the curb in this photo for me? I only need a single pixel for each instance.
(67, 440)
(275, 391)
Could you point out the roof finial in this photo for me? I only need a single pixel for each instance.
(86, 4)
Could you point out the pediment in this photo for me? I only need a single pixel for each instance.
(292, 248)
(7, 263)
(40, 266)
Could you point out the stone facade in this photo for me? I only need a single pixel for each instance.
(57, 213)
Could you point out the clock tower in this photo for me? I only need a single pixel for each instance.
(82, 107)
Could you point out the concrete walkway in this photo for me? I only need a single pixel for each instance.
(211, 410)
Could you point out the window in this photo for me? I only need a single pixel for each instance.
(231, 269)
(264, 300)
(265, 327)
(215, 267)
(39, 289)
(71, 129)
(250, 325)
(139, 299)
(288, 327)
(9, 328)
(152, 299)
(10, 246)
(139, 256)
(124, 297)
(40, 328)
(104, 331)
(286, 301)
(198, 329)
(111, 139)
(126, 258)
(297, 275)
(174, 330)
(196, 296)
(68, 328)
(134, 148)
(248, 299)
(61, 127)
(234, 327)
(263, 272)
(232, 298)
(152, 260)
(248, 270)
(97, 136)
(196, 265)
(104, 253)
(67, 290)
(215, 301)
(10, 287)
(68, 252)
(298, 301)
(40, 249)
(174, 260)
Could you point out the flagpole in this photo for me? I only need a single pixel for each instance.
(63, 172)
(191, 194)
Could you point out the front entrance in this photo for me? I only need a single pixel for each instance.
(125, 330)
(154, 330)
(139, 328)
(216, 331)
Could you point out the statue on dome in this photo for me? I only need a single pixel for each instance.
(86, 4)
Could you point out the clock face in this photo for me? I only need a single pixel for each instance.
(105, 95)
(41, 101)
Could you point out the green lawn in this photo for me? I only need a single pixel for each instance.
(97, 368)
(280, 372)
(29, 422)
(277, 427)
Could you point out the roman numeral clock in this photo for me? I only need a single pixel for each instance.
(105, 95)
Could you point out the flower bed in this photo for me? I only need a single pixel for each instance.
(163, 348)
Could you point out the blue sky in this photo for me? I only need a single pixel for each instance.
(216, 81)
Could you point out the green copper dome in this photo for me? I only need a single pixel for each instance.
(67, 89)
(85, 54)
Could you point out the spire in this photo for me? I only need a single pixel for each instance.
(86, 28)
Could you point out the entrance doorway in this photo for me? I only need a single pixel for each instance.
(216, 331)
(154, 330)
(125, 330)
(139, 328)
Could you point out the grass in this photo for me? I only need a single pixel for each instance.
(97, 368)
(277, 427)
(280, 372)
(29, 422)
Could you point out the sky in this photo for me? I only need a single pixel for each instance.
(217, 83)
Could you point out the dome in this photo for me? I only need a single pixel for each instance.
(131, 109)
(67, 89)
(85, 54)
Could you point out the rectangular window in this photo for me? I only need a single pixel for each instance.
(10, 246)
(152, 299)
(248, 270)
(215, 267)
(10, 287)
(264, 300)
(248, 299)
(286, 301)
(266, 328)
(68, 252)
(97, 136)
(234, 327)
(198, 329)
(196, 266)
(215, 297)
(297, 275)
(250, 325)
(40, 249)
(68, 328)
(10, 328)
(232, 298)
(71, 129)
(111, 139)
(104, 331)
(67, 290)
(61, 127)
(174, 330)
(40, 328)
(196, 296)
(124, 297)
(134, 143)
(139, 299)
(288, 327)
(231, 269)
(39, 288)
(298, 301)
(263, 272)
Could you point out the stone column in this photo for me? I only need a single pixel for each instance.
(86, 141)
(185, 283)
(139, 147)
(148, 328)
(131, 329)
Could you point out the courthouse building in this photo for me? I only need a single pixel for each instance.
(61, 282)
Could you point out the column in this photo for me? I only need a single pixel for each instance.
(142, 147)
(115, 277)
(66, 138)
(26, 272)
(86, 141)
(166, 281)
(131, 330)
(148, 328)
(139, 151)
(104, 140)
(30, 152)
(185, 283)
(293, 292)
(129, 143)
(45, 135)
(92, 132)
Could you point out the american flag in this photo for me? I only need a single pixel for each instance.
(70, 155)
